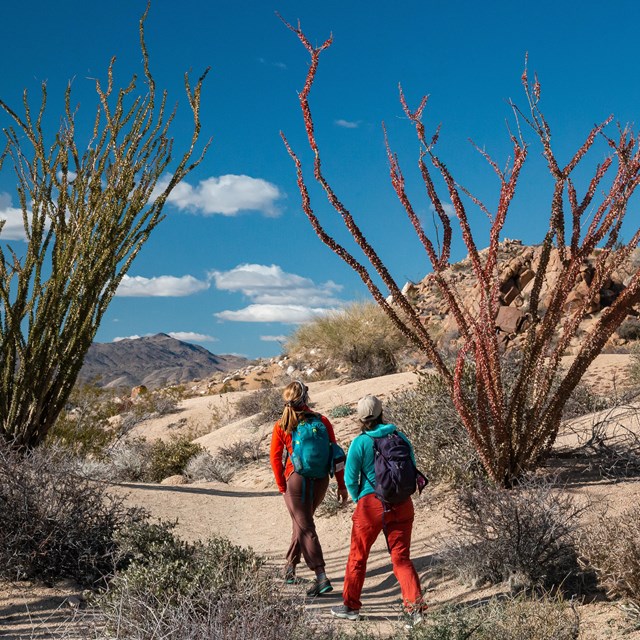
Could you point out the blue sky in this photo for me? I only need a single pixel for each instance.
(235, 265)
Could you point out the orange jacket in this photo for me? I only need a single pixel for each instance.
(281, 441)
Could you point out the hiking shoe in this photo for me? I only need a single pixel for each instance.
(345, 613)
(318, 588)
(290, 575)
(415, 619)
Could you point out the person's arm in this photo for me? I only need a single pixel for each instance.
(275, 455)
(353, 469)
(342, 489)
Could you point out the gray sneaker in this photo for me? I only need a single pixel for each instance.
(415, 619)
(345, 613)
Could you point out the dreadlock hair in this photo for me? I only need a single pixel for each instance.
(295, 396)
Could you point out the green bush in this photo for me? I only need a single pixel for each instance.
(341, 411)
(525, 535)
(55, 524)
(170, 457)
(83, 426)
(136, 460)
(360, 337)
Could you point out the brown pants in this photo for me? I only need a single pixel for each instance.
(302, 498)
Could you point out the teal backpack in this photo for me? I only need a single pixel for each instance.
(311, 451)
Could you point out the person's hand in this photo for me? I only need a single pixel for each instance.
(343, 496)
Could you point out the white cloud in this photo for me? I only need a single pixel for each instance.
(160, 286)
(226, 195)
(449, 209)
(347, 124)
(133, 337)
(279, 65)
(289, 314)
(279, 339)
(276, 296)
(271, 285)
(13, 228)
(190, 336)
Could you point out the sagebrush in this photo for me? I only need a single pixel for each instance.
(525, 535)
(56, 523)
(610, 546)
(359, 337)
(177, 590)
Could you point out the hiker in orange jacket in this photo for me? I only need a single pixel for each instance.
(302, 495)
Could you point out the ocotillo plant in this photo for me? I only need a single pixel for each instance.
(88, 207)
(512, 425)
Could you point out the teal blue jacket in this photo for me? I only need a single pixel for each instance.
(359, 473)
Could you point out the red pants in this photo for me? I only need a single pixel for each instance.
(367, 524)
(302, 498)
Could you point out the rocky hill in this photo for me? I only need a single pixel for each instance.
(154, 361)
(517, 267)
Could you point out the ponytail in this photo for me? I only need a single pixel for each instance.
(296, 396)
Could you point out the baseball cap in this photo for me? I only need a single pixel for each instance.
(369, 408)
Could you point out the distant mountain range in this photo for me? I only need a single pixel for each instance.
(153, 361)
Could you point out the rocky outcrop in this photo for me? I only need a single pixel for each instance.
(517, 268)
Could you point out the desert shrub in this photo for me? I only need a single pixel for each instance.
(266, 403)
(130, 460)
(136, 460)
(427, 415)
(204, 466)
(170, 457)
(341, 411)
(83, 426)
(173, 589)
(508, 618)
(525, 535)
(360, 336)
(633, 370)
(629, 329)
(584, 400)
(611, 548)
(242, 452)
(611, 446)
(159, 402)
(55, 524)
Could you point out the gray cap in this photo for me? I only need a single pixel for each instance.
(369, 408)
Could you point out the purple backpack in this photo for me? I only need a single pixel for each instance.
(396, 475)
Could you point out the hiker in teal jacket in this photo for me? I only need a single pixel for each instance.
(371, 517)
(359, 474)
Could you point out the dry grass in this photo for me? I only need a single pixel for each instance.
(360, 337)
